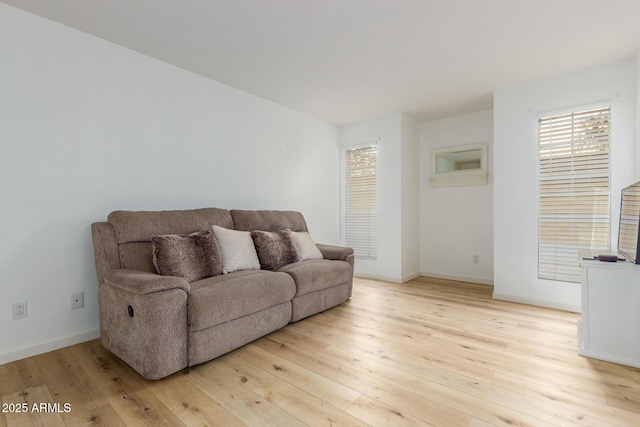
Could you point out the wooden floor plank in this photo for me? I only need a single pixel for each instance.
(246, 405)
(287, 393)
(191, 404)
(68, 382)
(429, 352)
(319, 386)
(123, 388)
(377, 413)
(103, 416)
(18, 375)
(35, 414)
(404, 402)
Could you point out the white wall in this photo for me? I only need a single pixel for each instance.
(387, 131)
(515, 166)
(410, 187)
(638, 116)
(456, 223)
(88, 127)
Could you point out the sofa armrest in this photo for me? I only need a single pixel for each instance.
(144, 320)
(144, 282)
(342, 253)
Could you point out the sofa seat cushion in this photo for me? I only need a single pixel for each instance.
(219, 299)
(317, 274)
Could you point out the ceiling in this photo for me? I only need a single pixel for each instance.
(344, 61)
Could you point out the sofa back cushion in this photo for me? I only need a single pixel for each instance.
(133, 230)
(266, 220)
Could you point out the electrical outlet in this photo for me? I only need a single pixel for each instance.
(19, 310)
(77, 300)
(476, 259)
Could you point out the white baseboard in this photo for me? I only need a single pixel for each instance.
(48, 346)
(377, 277)
(425, 274)
(479, 280)
(387, 278)
(609, 358)
(410, 277)
(538, 302)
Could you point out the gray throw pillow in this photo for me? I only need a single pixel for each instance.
(237, 249)
(192, 256)
(274, 248)
(305, 246)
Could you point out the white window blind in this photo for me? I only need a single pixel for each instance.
(361, 201)
(574, 194)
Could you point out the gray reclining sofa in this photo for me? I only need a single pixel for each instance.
(160, 324)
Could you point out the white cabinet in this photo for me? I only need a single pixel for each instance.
(610, 325)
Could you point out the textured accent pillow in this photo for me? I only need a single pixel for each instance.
(189, 256)
(238, 252)
(274, 248)
(305, 246)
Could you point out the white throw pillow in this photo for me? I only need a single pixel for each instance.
(236, 247)
(305, 246)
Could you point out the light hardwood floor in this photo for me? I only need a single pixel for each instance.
(427, 352)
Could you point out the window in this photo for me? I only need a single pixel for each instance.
(361, 211)
(574, 194)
